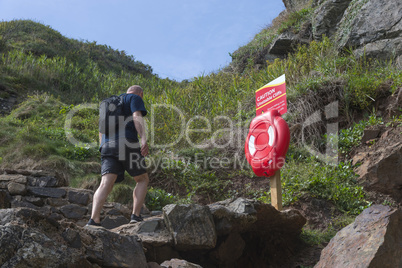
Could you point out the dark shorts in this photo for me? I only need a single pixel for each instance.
(119, 156)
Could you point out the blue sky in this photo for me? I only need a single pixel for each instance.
(180, 39)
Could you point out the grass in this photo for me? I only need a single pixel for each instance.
(35, 130)
(315, 237)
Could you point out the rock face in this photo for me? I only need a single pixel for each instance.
(373, 240)
(382, 166)
(327, 16)
(372, 28)
(375, 25)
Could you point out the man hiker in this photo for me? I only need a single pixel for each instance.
(120, 152)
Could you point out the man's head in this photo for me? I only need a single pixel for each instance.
(137, 90)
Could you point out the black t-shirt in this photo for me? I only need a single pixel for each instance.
(131, 104)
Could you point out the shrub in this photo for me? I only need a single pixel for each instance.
(156, 199)
(121, 193)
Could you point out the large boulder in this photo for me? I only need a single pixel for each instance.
(32, 239)
(251, 230)
(152, 232)
(37, 244)
(373, 240)
(35, 249)
(191, 226)
(109, 249)
(245, 215)
(233, 215)
(155, 238)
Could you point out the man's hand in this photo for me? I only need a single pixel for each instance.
(140, 127)
(144, 148)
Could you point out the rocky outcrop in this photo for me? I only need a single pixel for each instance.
(372, 28)
(223, 234)
(373, 240)
(48, 219)
(327, 16)
(286, 43)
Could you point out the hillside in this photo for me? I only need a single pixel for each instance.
(38, 39)
(331, 58)
(38, 59)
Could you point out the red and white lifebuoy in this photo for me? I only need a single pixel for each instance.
(267, 143)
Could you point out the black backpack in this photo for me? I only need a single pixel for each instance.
(109, 111)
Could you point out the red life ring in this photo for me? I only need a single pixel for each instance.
(267, 143)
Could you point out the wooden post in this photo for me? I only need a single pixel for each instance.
(276, 190)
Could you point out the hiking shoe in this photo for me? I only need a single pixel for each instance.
(92, 223)
(135, 218)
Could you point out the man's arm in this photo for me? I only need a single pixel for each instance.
(100, 138)
(140, 127)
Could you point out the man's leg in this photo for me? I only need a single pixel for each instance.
(139, 193)
(101, 194)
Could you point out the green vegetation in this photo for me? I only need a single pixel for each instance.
(34, 133)
(61, 76)
(295, 20)
(350, 137)
(336, 184)
(38, 39)
(322, 237)
(156, 199)
(317, 237)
